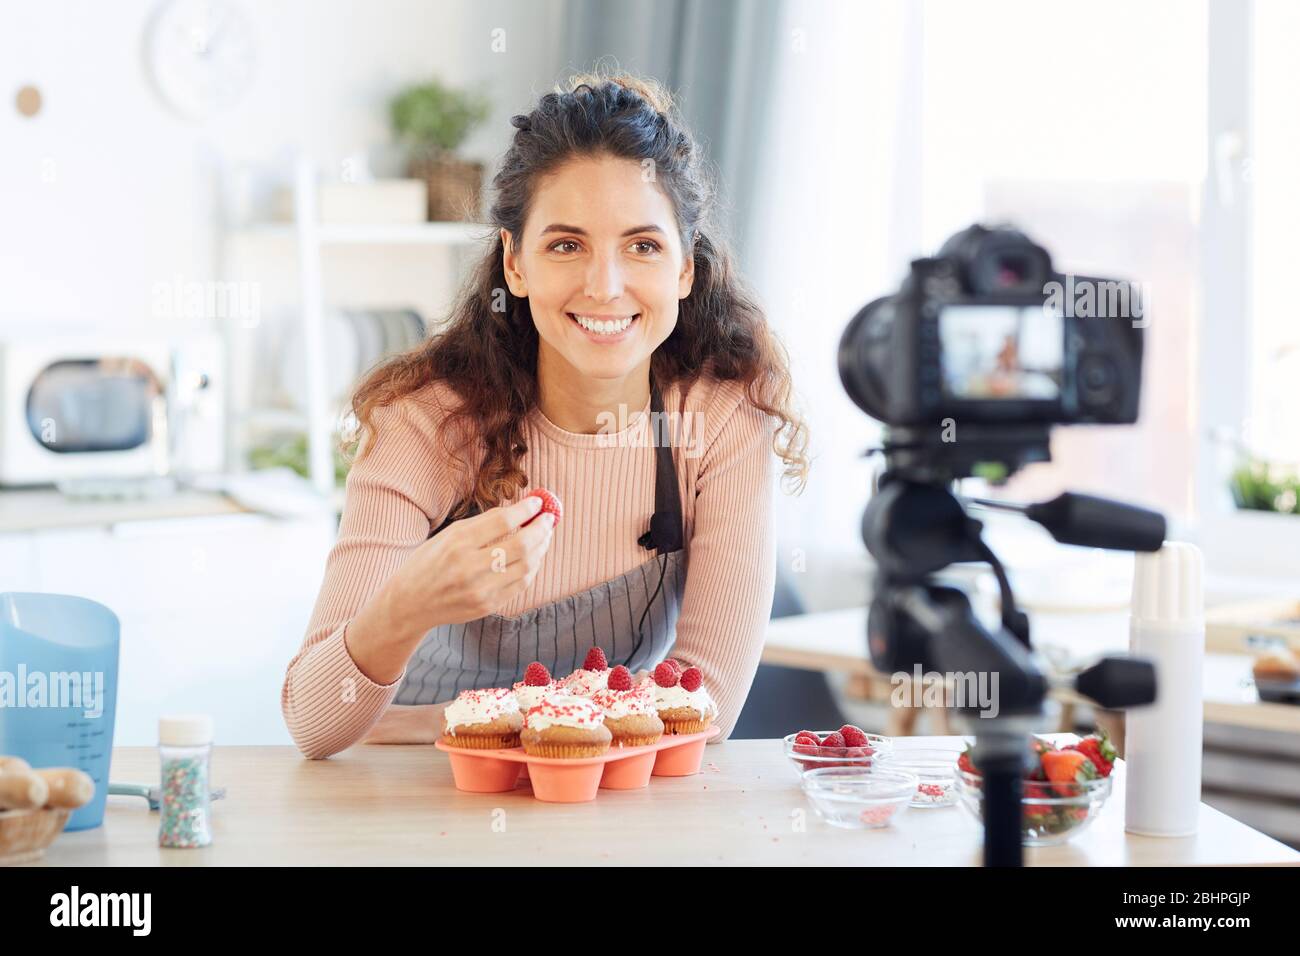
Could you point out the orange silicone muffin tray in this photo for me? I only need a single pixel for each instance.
(555, 780)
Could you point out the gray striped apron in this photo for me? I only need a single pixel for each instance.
(632, 618)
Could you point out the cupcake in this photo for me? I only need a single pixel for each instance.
(683, 704)
(536, 684)
(566, 726)
(629, 710)
(591, 677)
(1278, 665)
(487, 719)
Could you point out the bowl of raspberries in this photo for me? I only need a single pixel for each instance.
(1063, 789)
(849, 746)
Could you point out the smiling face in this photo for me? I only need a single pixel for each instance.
(601, 264)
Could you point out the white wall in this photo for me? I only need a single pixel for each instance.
(130, 201)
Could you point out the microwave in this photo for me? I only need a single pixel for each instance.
(90, 407)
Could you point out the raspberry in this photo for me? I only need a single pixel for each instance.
(666, 676)
(620, 678)
(807, 737)
(674, 664)
(834, 739)
(853, 736)
(691, 679)
(550, 504)
(595, 660)
(537, 675)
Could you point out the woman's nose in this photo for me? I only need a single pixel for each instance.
(604, 278)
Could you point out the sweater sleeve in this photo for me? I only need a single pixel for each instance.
(327, 701)
(731, 574)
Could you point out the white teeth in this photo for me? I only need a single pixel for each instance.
(603, 327)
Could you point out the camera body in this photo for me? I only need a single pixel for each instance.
(987, 333)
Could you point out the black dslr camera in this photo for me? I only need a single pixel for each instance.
(979, 353)
(988, 333)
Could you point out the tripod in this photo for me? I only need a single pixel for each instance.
(914, 527)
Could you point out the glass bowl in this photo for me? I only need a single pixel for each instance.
(825, 757)
(1051, 813)
(858, 798)
(935, 770)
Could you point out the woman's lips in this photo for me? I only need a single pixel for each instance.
(605, 338)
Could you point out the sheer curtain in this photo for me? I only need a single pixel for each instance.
(834, 227)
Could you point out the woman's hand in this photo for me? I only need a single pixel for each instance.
(468, 570)
(474, 566)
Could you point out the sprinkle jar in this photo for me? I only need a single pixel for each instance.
(185, 746)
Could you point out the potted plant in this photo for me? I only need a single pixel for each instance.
(1259, 485)
(433, 120)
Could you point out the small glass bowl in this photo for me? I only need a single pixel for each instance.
(935, 771)
(826, 757)
(1051, 813)
(858, 798)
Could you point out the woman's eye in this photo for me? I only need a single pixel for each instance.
(555, 247)
(650, 246)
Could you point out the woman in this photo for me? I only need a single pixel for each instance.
(605, 307)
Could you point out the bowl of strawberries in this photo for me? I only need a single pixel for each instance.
(849, 746)
(1063, 790)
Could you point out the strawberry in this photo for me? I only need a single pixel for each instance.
(853, 736)
(595, 660)
(620, 678)
(1098, 749)
(965, 763)
(666, 676)
(834, 740)
(537, 675)
(550, 505)
(1038, 747)
(691, 679)
(1066, 769)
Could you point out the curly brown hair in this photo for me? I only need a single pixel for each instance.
(487, 352)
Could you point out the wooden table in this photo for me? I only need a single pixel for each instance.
(376, 804)
(836, 641)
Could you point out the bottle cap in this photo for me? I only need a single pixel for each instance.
(1167, 585)
(185, 730)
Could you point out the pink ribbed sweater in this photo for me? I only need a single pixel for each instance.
(405, 486)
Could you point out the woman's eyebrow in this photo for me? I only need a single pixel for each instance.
(579, 231)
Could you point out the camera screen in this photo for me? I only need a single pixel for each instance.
(1001, 352)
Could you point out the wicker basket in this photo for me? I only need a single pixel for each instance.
(455, 187)
(24, 834)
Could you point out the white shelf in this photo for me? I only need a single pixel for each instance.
(394, 234)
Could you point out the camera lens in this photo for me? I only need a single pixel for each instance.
(864, 349)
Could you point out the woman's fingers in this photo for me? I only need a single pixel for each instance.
(496, 522)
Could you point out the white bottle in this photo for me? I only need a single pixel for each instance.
(1162, 742)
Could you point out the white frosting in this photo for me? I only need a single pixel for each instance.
(668, 698)
(530, 695)
(584, 683)
(479, 707)
(565, 710)
(626, 703)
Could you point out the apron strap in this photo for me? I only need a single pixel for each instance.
(665, 534)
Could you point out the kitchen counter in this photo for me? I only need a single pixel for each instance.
(376, 804)
(836, 641)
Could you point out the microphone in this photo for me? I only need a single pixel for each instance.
(1091, 522)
